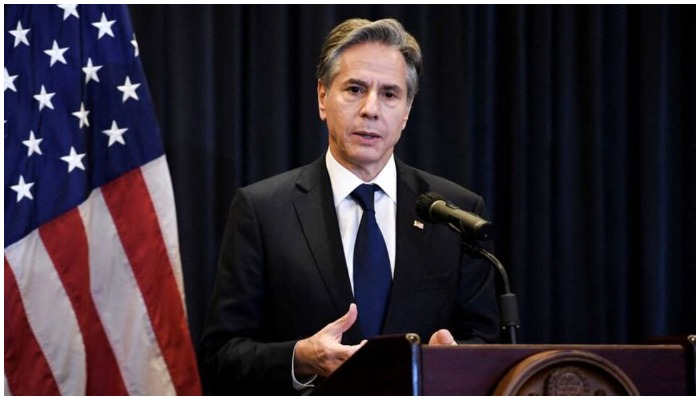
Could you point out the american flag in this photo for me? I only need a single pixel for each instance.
(94, 298)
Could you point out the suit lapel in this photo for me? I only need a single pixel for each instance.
(411, 246)
(316, 212)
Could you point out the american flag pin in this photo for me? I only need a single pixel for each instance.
(418, 224)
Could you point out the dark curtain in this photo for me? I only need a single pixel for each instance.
(576, 123)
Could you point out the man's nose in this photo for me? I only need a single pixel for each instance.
(370, 106)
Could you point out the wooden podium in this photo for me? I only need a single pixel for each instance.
(400, 365)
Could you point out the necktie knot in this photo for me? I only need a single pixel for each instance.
(364, 195)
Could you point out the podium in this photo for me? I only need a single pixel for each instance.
(401, 365)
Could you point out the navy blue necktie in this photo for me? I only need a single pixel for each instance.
(371, 270)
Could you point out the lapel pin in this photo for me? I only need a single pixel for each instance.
(418, 224)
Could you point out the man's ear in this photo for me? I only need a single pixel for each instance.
(321, 91)
(408, 113)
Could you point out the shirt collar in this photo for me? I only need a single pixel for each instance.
(344, 182)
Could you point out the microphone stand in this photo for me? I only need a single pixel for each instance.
(507, 302)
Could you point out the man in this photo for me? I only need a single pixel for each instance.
(284, 312)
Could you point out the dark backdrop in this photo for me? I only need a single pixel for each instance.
(576, 123)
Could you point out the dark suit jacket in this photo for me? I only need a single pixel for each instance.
(282, 277)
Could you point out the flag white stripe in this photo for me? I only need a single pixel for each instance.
(120, 305)
(7, 387)
(157, 177)
(49, 312)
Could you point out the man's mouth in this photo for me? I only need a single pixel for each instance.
(367, 135)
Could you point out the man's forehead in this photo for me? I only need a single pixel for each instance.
(372, 64)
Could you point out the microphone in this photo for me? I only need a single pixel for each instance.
(432, 207)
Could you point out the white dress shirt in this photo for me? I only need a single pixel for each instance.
(343, 182)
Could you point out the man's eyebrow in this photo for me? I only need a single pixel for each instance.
(356, 81)
(393, 88)
(360, 82)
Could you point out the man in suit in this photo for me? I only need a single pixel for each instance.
(284, 311)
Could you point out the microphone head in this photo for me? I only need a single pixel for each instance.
(431, 207)
(423, 204)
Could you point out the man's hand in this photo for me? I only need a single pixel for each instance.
(443, 336)
(322, 353)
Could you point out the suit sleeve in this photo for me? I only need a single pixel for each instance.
(234, 356)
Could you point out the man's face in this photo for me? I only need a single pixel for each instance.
(366, 107)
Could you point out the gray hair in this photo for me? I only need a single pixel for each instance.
(356, 31)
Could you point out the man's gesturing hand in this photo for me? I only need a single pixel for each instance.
(443, 336)
(322, 353)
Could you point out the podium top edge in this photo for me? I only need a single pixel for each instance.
(557, 346)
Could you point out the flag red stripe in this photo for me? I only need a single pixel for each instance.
(135, 218)
(66, 243)
(26, 368)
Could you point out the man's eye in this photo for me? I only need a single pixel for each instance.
(390, 95)
(354, 89)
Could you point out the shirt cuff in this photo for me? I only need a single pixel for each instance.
(308, 383)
